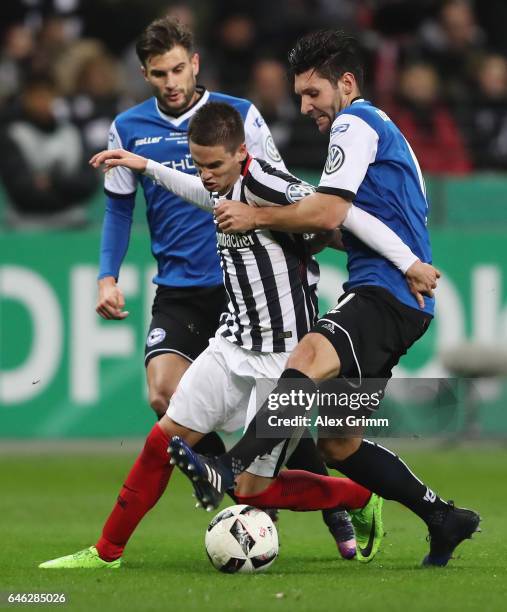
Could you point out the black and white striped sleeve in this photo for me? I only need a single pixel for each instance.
(267, 186)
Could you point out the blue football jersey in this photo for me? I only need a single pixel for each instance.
(371, 163)
(183, 239)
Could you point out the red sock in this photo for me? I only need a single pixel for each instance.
(146, 482)
(300, 490)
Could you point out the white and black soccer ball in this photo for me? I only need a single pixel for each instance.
(241, 539)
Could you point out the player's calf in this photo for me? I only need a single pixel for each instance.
(338, 449)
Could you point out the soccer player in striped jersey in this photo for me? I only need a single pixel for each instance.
(190, 295)
(272, 303)
(182, 236)
(377, 319)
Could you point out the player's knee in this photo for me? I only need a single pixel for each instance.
(316, 357)
(171, 428)
(337, 449)
(303, 356)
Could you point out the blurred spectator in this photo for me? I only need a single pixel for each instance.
(234, 52)
(299, 142)
(269, 91)
(427, 123)
(43, 168)
(453, 45)
(486, 125)
(97, 100)
(32, 13)
(492, 16)
(391, 27)
(117, 22)
(53, 41)
(15, 58)
(93, 81)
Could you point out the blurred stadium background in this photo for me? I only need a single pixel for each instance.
(72, 386)
(438, 68)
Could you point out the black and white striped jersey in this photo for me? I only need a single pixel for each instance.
(270, 279)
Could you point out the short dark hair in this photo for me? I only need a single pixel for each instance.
(217, 123)
(161, 36)
(330, 53)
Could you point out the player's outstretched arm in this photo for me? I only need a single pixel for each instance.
(187, 186)
(118, 157)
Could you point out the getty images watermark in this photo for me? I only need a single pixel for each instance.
(353, 402)
(402, 407)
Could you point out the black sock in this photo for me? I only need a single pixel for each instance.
(384, 473)
(306, 456)
(244, 452)
(211, 444)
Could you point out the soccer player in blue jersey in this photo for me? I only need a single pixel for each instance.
(377, 319)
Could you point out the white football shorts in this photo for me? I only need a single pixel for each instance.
(218, 392)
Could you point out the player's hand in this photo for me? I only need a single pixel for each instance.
(118, 157)
(111, 302)
(422, 279)
(233, 216)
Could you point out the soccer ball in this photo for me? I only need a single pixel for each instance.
(241, 539)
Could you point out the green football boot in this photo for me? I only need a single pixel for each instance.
(83, 559)
(369, 528)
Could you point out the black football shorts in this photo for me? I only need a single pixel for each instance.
(370, 331)
(183, 320)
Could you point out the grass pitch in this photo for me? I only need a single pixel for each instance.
(55, 504)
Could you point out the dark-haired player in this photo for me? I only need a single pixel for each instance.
(377, 319)
(271, 281)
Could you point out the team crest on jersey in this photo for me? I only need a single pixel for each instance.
(335, 159)
(340, 128)
(297, 191)
(155, 336)
(271, 150)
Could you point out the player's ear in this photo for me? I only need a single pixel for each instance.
(241, 153)
(194, 61)
(144, 72)
(348, 81)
